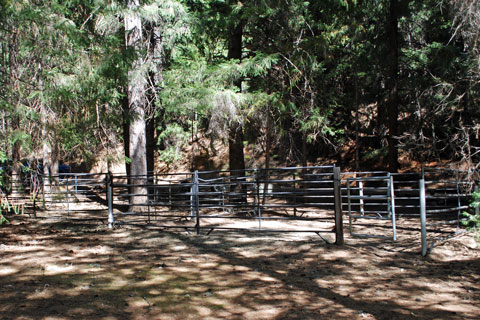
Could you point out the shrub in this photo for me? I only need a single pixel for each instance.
(472, 218)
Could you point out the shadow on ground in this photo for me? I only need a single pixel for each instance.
(53, 270)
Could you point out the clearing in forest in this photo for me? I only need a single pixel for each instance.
(55, 270)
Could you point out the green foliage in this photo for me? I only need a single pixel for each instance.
(170, 155)
(4, 207)
(3, 157)
(173, 138)
(62, 82)
(4, 173)
(3, 220)
(375, 154)
(472, 220)
(307, 68)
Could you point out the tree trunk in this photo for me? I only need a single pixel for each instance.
(54, 162)
(138, 156)
(16, 169)
(235, 149)
(235, 138)
(392, 104)
(137, 102)
(150, 145)
(268, 139)
(46, 150)
(156, 55)
(50, 155)
(126, 133)
(46, 147)
(304, 150)
(268, 148)
(235, 131)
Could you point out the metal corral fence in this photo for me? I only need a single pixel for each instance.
(79, 197)
(310, 199)
(441, 194)
(370, 196)
(273, 200)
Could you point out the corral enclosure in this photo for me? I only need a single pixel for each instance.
(300, 199)
(67, 264)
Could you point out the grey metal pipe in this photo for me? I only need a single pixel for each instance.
(423, 216)
(111, 219)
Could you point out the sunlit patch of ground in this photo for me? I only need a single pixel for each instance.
(50, 271)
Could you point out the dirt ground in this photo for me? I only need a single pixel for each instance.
(55, 270)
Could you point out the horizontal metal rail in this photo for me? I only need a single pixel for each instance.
(261, 195)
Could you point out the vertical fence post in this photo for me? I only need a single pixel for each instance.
(192, 197)
(423, 216)
(257, 184)
(196, 201)
(259, 212)
(148, 182)
(360, 193)
(154, 195)
(391, 203)
(68, 198)
(338, 206)
(294, 194)
(111, 219)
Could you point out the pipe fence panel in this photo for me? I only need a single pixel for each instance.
(166, 200)
(76, 196)
(406, 194)
(309, 199)
(371, 197)
(447, 193)
(444, 194)
(278, 199)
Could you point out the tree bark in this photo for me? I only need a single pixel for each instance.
(268, 138)
(150, 145)
(235, 130)
(16, 169)
(235, 138)
(156, 55)
(126, 132)
(304, 150)
(392, 104)
(46, 150)
(268, 148)
(235, 149)
(137, 101)
(54, 162)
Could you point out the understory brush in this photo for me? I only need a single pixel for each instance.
(472, 221)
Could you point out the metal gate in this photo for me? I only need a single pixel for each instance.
(372, 198)
(79, 197)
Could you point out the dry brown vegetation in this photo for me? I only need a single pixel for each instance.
(55, 270)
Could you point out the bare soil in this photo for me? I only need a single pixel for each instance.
(57, 270)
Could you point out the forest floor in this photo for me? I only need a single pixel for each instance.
(55, 270)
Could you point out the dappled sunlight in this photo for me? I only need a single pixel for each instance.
(145, 274)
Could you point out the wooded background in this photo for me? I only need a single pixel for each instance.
(363, 83)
